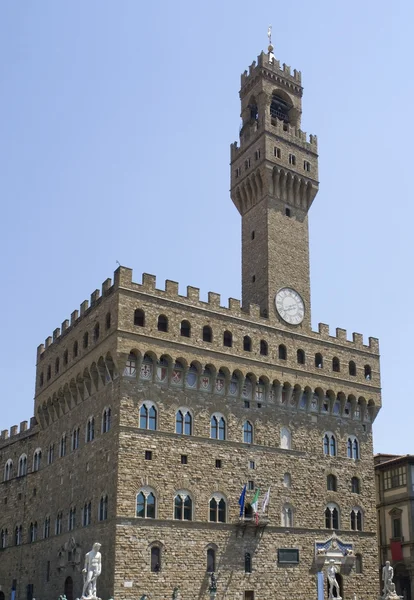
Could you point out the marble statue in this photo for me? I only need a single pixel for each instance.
(388, 591)
(91, 572)
(331, 572)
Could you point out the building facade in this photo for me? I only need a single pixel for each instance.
(394, 477)
(153, 410)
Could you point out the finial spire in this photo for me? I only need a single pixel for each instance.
(270, 46)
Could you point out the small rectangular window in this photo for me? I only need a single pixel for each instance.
(218, 463)
(306, 165)
(396, 528)
(238, 172)
(277, 152)
(250, 485)
(287, 212)
(288, 556)
(48, 570)
(251, 464)
(249, 595)
(257, 154)
(292, 159)
(184, 459)
(246, 404)
(148, 454)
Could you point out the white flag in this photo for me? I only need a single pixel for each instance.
(265, 501)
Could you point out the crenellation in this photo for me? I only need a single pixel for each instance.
(56, 333)
(286, 69)
(48, 341)
(234, 306)
(65, 325)
(84, 307)
(323, 329)
(4, 434)
(123, 277)
(171, 288)
(193, 293)
(358, 339)
(40, 350)
(95, 297)
(149, 282)
(214, 299)
(23, 426)
(374, 344)
(254, 311)
(14, 430)
(74, 317)
(106, 286)
(341, 334)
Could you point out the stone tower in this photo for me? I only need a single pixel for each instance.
(274, 179)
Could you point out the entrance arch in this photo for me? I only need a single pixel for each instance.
(402, 581)
(2, 596)
(68, 588)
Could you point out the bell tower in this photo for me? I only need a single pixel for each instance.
(274, 179)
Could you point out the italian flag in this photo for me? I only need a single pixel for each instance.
(255, 502)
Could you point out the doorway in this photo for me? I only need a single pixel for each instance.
(68, 588)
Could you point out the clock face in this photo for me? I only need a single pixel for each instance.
(290, 306)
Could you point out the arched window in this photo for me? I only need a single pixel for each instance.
(287, 516)
(106, 420)
(185, 329)
(287, 480)
(41, 379)
(155, 559)
(355, 485)
(18, 535)
(285, 438)
(108, 321)
(367, 372)
(247, 344)
(72, 519)
(148, 416)
(352, 368)
(300, 355)
(37, 457)
(139, 317)
(90, 430)
(331, 483)
(183, 507)
(3, 538)
(248, 432)
(183, 422)
(57, 365)
(85, 339)
(247, 562)
(51, 454)
(318, 360)
(336, 366)
(228, 339)
(358, 564)
(264, 351)
(103, 508)
(75, 349)
(329, 444)
(8, 470)
(33, 532)
(352, 447)
(49, 372)
(279, 109)
(211, 560)
(282, 353)
(87, 514)
(356, 519)
(146, 504)
(217, 512)
(46, 528)
(96, 332)
(207, 334)
(217, 427)
(22, 469)
(332, 516)
(162, 323)
(75, 438)
(65, 357)
(62, 446)
(59, 523)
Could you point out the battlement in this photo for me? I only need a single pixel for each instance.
(123, 280)
(15, 431)
(268, 61)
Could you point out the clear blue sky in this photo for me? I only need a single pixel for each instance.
(116, 120)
